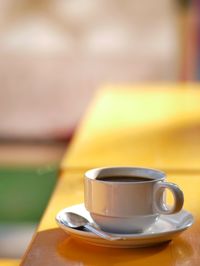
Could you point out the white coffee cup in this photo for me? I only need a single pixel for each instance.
(128, 199)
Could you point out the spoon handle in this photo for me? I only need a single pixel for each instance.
(101, 233)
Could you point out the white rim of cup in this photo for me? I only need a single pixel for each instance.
(152, 174)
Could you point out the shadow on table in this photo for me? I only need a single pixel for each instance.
(55, 247)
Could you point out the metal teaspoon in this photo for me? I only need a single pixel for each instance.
(75, 220)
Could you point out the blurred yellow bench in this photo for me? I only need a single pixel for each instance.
(9, 262)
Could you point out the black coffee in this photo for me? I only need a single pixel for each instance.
(124, 178)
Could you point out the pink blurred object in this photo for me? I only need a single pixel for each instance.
(55, 54)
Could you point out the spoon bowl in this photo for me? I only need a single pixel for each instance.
(74, 220)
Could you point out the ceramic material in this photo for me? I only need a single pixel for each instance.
(164, 229)
(128, 206)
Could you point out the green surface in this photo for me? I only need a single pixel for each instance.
(24, 192)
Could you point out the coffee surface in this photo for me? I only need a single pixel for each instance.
(124, 179)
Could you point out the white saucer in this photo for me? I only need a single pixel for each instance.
(165, 229)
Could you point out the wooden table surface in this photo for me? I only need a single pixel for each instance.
(154, 127)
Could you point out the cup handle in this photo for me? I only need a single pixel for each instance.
(160, 204)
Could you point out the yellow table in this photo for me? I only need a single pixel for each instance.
(9, 262)
(150, 126)
(146, 127)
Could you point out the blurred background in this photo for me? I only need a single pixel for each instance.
(54, 55)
